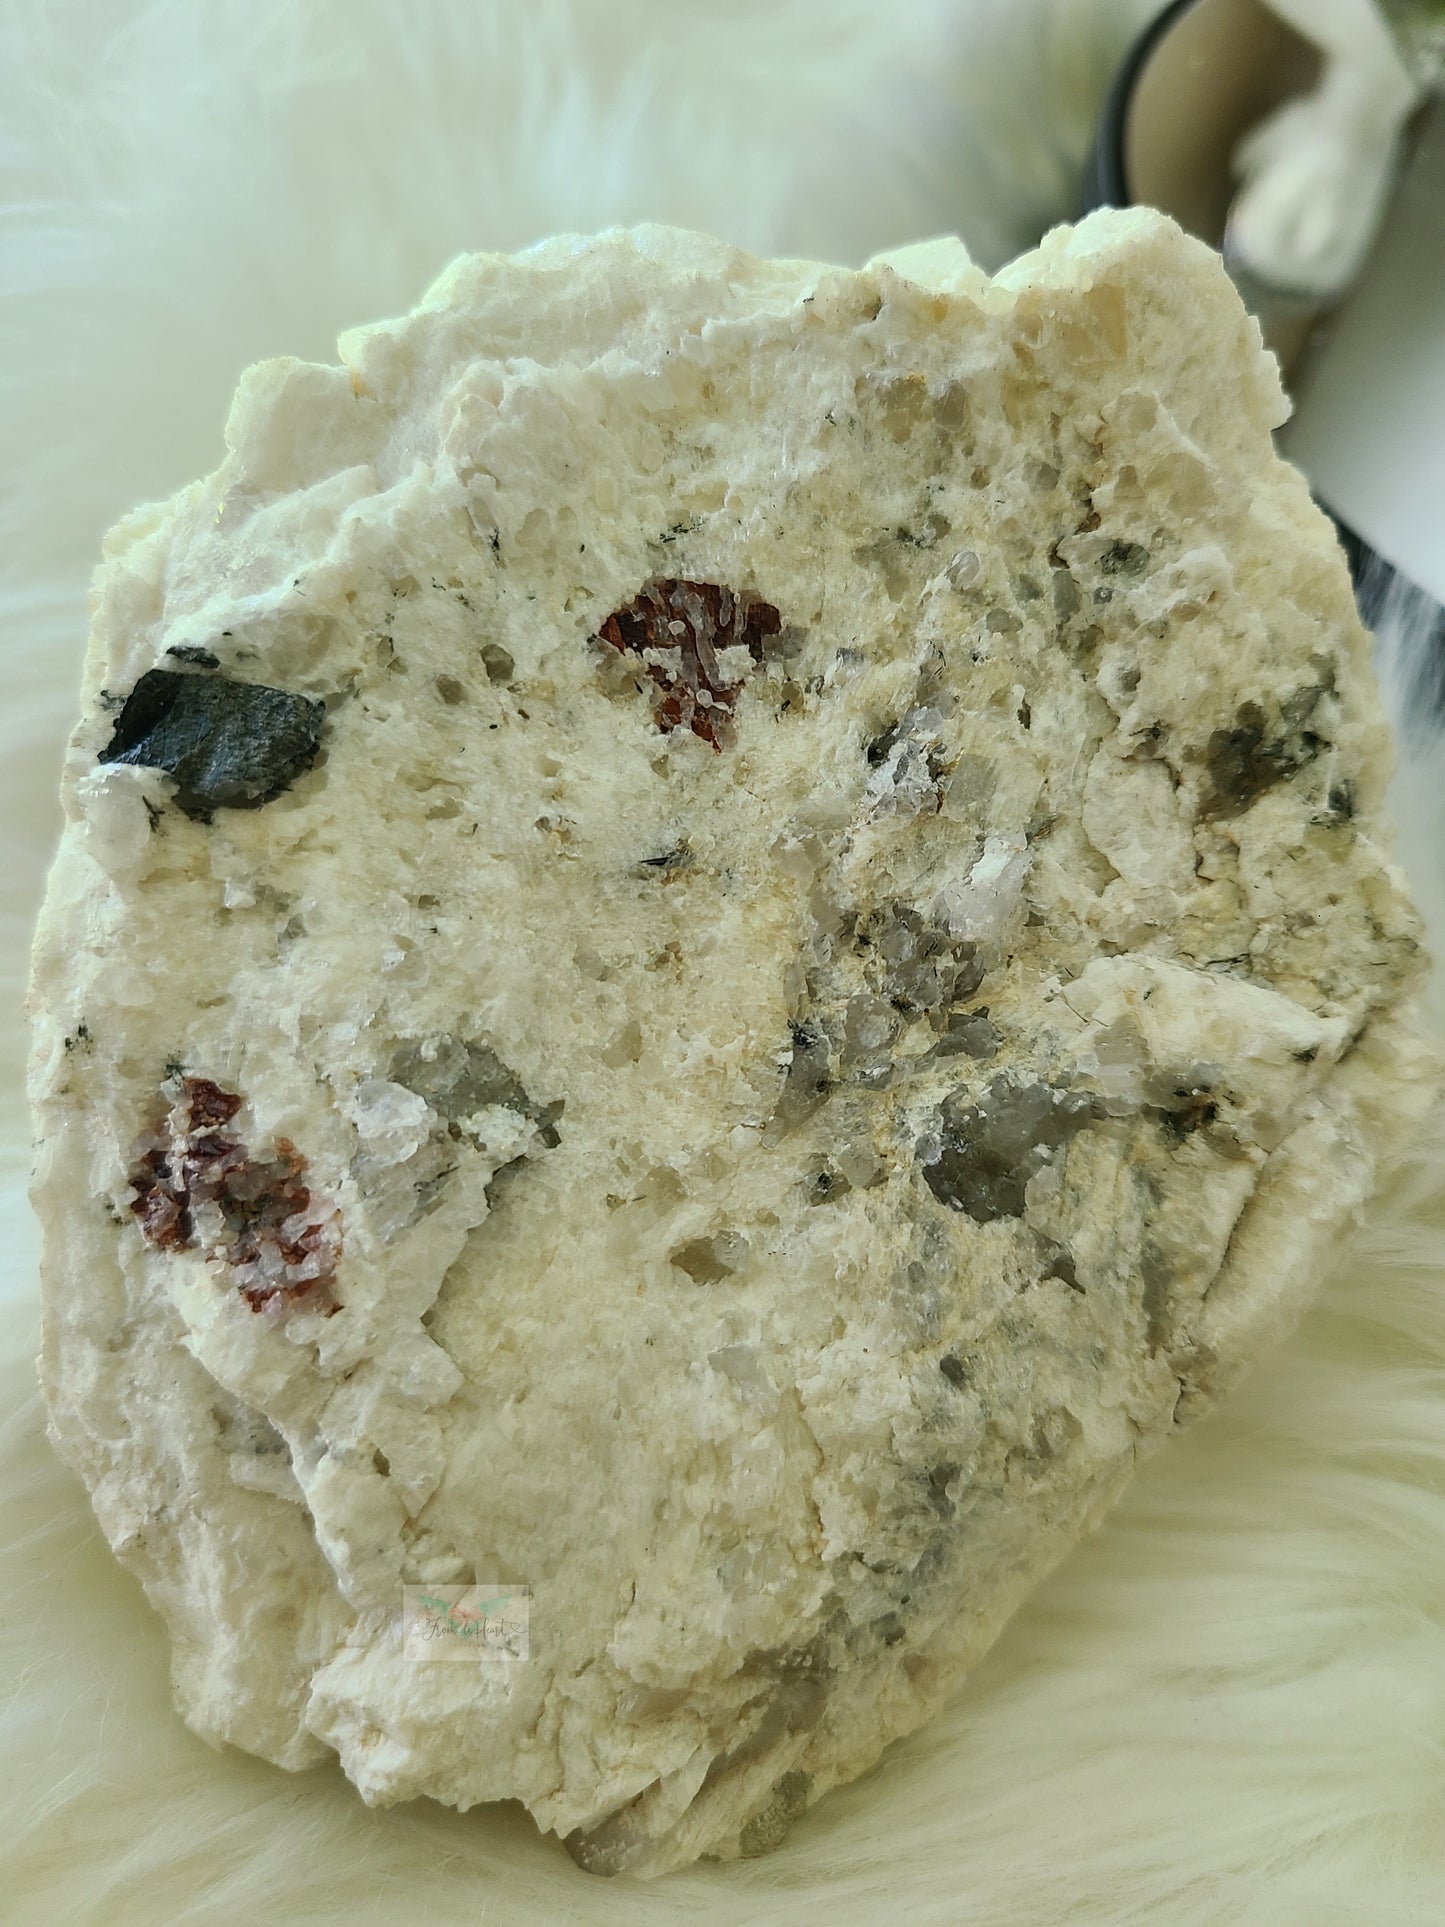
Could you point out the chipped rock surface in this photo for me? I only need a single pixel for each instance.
(723, 933)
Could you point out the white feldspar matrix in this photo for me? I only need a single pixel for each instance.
(724, 933)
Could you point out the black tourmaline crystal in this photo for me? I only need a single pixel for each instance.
(229, 745)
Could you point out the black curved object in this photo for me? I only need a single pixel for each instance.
(1105, 182)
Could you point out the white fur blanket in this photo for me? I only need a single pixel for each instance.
(1230, 1705)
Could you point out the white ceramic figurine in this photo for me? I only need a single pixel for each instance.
(1316, 174)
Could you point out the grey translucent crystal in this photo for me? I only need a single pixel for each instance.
(984, 1151)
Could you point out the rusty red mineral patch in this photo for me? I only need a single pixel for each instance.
(677, 628)
(197, 1187)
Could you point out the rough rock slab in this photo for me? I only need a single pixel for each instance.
(724, 932)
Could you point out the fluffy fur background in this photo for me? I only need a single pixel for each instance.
(1230, 1705)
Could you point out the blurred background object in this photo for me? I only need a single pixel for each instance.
(1364, 358)
(1315, 175)
(1369, 427)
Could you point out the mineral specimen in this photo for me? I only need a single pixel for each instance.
(819, 970)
